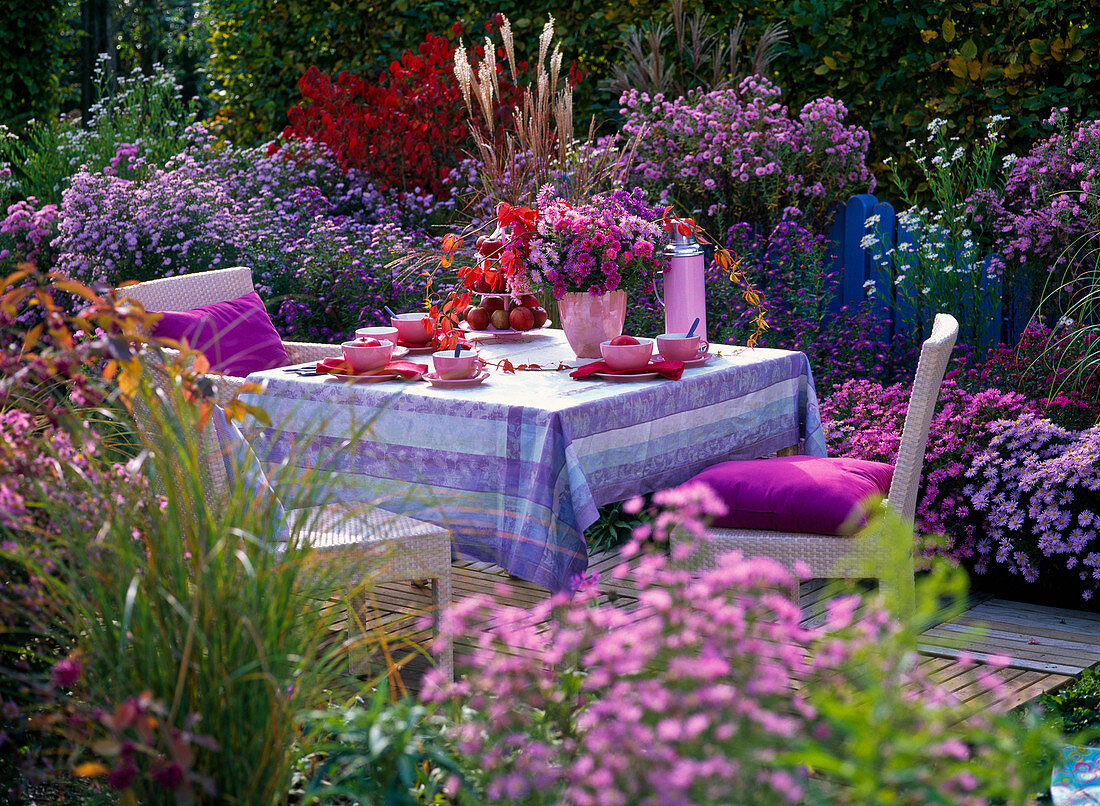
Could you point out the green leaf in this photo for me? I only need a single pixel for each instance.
(968, 50)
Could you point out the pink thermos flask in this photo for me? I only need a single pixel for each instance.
(685, 295)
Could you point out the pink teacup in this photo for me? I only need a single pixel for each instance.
(627, 356)
(451, 367)
(365, 357)
(681, 346)
(410, 327)
(385, 332)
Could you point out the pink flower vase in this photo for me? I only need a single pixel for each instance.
(588, 320)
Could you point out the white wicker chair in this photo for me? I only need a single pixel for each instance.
(833, 557)
(358, 544)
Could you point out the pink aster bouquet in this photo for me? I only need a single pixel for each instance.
(611, 241)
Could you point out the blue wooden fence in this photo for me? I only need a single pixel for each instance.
(856, 266)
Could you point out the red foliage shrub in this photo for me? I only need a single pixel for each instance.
(406, 131)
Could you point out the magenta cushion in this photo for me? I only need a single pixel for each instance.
(797, 493)
(236, 336)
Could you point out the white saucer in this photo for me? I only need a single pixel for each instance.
(456, 383)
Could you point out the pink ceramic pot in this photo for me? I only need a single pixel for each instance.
(588, 321)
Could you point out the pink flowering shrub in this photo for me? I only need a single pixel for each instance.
(1016, 497)
(738, 154)
(712, 693)
(27, 232)
(1040, 367)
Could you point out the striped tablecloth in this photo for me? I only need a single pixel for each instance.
(517, 467)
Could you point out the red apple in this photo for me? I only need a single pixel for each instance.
(366, 341)
(529, 301)
(482, 286)
(521, 319)
(477, 318)
(540, 316)
(492, 303)
(500, 320)
(488, 247)
(624, 340)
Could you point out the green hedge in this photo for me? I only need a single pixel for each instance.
(262, 47)
(30, 60)
(896, 66)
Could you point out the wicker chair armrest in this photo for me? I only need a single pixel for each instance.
(301, 351)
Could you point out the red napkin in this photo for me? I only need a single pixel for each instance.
(670, 369)
(403, 369)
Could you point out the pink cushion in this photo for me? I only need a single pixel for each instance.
(236, 336)
(797, 493)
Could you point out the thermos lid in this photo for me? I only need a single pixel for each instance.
(682, 245)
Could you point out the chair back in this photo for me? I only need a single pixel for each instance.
(189, 291)
(934, 355)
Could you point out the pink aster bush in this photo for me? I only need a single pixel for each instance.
(712, 692)
(1016, 497)
(739, 154)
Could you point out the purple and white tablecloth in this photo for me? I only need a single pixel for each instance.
(517, 467)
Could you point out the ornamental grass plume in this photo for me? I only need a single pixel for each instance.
(539, 145)
(712, 692)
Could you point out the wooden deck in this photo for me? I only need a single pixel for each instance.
(1047, 646)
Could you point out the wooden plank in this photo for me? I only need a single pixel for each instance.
(1020, 642)
(1019, 650)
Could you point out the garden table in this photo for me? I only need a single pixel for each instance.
(517, 467)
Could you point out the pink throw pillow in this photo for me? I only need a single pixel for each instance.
(236, 336)
(811, 494)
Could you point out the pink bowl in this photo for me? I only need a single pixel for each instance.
(627, 356)
(410, 327)
(448, 366)
(379, 333)
(364, 358)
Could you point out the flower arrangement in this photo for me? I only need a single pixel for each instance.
(612, 241)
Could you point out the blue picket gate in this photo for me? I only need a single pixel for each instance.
(858, 265)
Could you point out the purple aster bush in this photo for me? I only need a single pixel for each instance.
(27, 231)
(317, 239)
(1015, 497)
(1050, 203)
(739, 154)
(1036, 488)
(713, 693)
